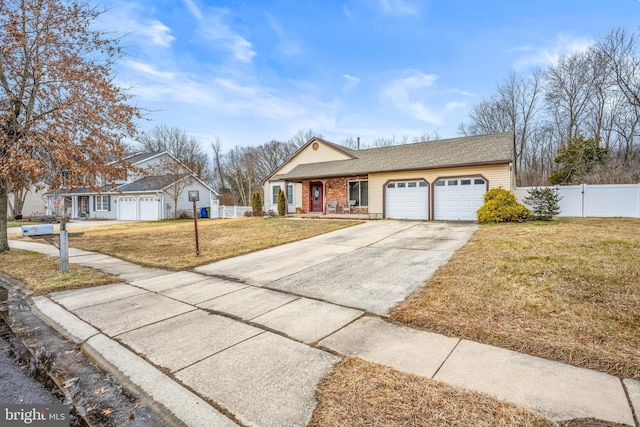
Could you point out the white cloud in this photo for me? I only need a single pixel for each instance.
(214, 29)
(350, 82)
(418, 95)
(398, 8)
(156, 32)
(286, 46)
(193, 9)
(531, 56)
(148, 70)
(126, 18)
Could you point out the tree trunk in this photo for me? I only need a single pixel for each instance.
(4, 243)
(19, 197)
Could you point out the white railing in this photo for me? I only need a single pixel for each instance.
(612, 200)
(232, 211)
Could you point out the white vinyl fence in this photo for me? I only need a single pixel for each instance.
(614, 200)
(229, 211)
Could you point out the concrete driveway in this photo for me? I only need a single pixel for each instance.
(372, 266)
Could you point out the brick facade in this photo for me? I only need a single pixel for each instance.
(335, 189)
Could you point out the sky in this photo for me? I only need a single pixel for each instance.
(247, 72)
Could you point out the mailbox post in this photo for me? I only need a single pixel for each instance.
(194, 196)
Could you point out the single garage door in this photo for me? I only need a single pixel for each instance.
(458, 199)
(149, 208)
(407, 200)
(127, 208)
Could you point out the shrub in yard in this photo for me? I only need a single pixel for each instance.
(184, 214)
(256, 204)
(544, 203)
(282, 203)
(501, 205)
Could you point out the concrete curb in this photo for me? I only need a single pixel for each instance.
(135, 372)
(62, 321)
(167, 396)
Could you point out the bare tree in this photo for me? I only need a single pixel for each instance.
(512, 109)
(240, 174)
(179, 143)
(218, 178)
(173, 176)
(60, 110)
(570, 87)
(617, 49)
(301, 137)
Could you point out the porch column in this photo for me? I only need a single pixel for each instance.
(74, 207)
(286, 197)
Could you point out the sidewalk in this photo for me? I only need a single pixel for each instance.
(202, 346)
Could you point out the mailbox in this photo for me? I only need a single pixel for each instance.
(37, 230)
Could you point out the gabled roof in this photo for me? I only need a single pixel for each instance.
(151, 183)
(464, 151)
(344, 150)
(141, 157)
(82, 190)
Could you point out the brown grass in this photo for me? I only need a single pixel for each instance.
(171, 244)
(568, 290)
(359, 393)
(41, 273)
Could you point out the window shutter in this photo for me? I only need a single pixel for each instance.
(109, 203)
(94, 203)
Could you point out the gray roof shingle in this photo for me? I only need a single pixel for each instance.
(464, 151)
(150, 183)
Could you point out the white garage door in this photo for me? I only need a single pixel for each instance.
(127, 208)
(149, 208)
(407, 200)
(458, 199)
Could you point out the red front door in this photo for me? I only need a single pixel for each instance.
(316, 197)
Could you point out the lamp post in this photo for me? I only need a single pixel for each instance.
(194, 196)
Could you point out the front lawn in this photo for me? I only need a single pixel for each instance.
(359, 393)
(41, 273)
(171, 244)
(567, 290)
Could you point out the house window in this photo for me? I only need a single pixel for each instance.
(290, 194)
(274, 194)
(359, 191)
(102, 203)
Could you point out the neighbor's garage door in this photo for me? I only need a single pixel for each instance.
(149, 208)
(127, 208)
(407, 200)
(458, 199)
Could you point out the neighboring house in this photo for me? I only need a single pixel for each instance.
(35, 201)
(439, 180)
(139, 196)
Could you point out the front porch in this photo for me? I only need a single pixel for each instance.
(330, 216)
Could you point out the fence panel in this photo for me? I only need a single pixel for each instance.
(614, 200)
(233, 211)
(611, 200)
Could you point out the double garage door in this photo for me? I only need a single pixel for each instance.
(145, 208)
(453, 199)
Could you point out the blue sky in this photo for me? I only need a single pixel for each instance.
(251, 71)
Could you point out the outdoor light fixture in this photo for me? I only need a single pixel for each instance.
(194, 196)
